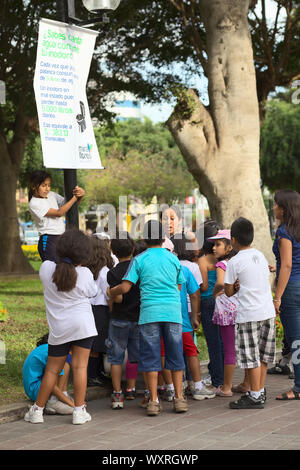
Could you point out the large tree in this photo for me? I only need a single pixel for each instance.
(243, 57)
(138, 48)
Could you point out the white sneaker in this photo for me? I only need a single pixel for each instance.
(34, 416)
(81, 416)
(58, 407)
(201, 394)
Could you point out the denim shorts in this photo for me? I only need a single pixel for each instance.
(150, 346)
(122, 335)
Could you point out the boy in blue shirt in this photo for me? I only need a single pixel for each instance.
(160, 275)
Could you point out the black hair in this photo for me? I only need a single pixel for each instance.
(243, 231)
(139, 247)
(36, 179)
(229, 255)
(43, 340)
(180, 248)
(100, 257)
(73, 247)
(289, 201)
(153, 233)
(122, 246)
(208, 229)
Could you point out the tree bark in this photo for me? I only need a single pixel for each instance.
(12, 259)
(220, 143)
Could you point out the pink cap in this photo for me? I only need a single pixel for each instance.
(221, 234)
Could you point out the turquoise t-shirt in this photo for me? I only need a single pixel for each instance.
(33, 370)
(159, 273)
(212, 278)
(190, 287)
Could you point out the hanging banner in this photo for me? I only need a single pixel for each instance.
(64, 56)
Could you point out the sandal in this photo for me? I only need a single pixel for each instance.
(220, 393)
(285, 396)
(239, 389)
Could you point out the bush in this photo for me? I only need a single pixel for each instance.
(31, 252)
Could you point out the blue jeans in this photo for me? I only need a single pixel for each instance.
(122, 335)
(290, 318)
(150, 346)
(213, 341)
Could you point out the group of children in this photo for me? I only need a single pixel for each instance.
(117, 296)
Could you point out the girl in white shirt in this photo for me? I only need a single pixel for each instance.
(68, 287)
(47, 209)
(101, 263)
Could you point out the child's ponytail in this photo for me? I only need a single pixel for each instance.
(65, 276)
(73, 248)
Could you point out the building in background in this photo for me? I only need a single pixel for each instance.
(125, 106)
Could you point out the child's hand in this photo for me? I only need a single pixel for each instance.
(108, 293)
(277, 303)
(272, 269)
(78, 192)
(236, 286)
(195, 324)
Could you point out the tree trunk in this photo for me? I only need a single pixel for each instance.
(221, 143)
(12, 259)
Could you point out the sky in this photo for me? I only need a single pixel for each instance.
(161, 112)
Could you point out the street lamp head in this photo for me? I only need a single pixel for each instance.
(95, 6)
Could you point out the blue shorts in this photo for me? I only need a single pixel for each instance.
(150, 346)
(122, 335)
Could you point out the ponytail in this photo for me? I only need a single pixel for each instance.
(65, 276)
(73, 248)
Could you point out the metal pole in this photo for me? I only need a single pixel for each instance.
(66, 8)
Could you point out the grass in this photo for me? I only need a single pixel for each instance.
(23, 299)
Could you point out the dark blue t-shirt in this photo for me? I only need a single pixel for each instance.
(295, 272)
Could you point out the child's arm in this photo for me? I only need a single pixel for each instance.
(195, 301)
(230, 289)
(63, 209)
(122, 288)
(61, 396)
(219, 286)
(203, 271)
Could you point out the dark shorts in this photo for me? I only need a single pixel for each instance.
(47, 247)
(59, 350)
(101, 316)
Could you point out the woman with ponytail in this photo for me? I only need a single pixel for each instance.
(68, 287)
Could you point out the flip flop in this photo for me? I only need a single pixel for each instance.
(285, 397)
(220, 393)
(239, 389)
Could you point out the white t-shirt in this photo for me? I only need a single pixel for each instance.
(195, 270)
(69, 314)
(102, 285)
(39, 207)
(254, 297)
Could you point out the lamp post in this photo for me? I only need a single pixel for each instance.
(66, 9)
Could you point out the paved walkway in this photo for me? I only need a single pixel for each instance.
(207, 425)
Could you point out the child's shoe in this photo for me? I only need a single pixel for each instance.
(34, 415)
(58, 407)
(117, 400)
(201, 394)
(247, 402)
(168, 395)
(81, 416)
(154, 408)
(180, 405)
(130, 394)
(146, 399)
